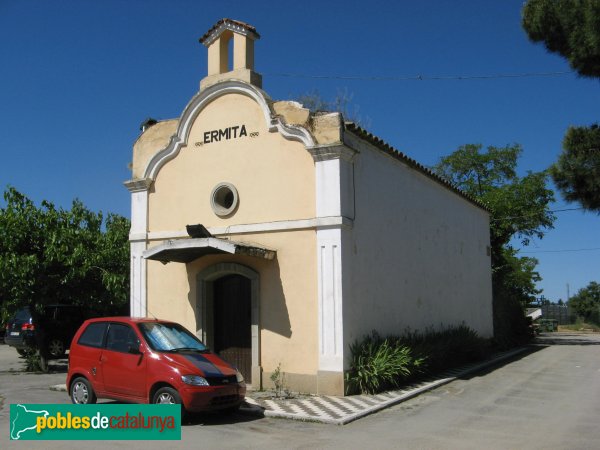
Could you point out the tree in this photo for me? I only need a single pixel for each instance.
(518, 205)
(577, 171)
(586, 303)
(51, 255)
(519, 208)
(571, 28)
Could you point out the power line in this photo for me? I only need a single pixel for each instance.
(564, 250)
(534, 214)
(421, 77)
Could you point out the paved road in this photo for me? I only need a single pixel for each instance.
(546, 399)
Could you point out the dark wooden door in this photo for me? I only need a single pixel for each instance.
(232, 320)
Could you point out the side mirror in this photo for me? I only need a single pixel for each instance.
(134, 349)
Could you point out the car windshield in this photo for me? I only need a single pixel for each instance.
(165, 337)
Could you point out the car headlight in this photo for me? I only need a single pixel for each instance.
(194, 380)
(239, 377)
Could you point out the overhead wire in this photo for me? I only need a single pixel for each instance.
(495, 219)
(421, 77)
(563, 251)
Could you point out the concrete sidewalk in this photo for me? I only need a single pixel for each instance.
(343, 410)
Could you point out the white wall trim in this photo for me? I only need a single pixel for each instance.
(138, 301)
(139, 225)
(332, 151)
(331, 343)
(206, 96)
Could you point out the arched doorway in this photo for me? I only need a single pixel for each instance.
(232, 321)
(227, 314)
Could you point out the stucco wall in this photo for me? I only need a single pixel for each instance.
(416, 256)
(275, 181)
(274, 176)
(287, 292)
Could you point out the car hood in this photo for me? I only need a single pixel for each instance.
(204, 364)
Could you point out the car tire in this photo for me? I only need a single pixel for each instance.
(56, 348)
(169, 396)
(81, 392)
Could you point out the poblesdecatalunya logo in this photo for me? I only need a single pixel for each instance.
(95, 422)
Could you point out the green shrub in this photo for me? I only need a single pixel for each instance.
(33, 362)
(378, 364)
(447, 348)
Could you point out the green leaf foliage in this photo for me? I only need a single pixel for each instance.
(378, 363)
(570, 28)
(518, 205)
(586, 303)
(577, 171)
(52, 255)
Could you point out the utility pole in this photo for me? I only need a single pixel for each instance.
(568, 297)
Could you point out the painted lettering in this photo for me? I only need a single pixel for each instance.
(233, 132)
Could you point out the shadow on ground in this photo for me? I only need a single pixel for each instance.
(528, 350)
(567, 339)
(218, 418)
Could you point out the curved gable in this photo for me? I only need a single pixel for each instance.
(205, 98)
(227, 134)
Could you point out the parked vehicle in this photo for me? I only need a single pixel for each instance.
(55, 326)
(149, 361)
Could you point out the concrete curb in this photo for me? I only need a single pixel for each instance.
(255, 409)
(252, 408)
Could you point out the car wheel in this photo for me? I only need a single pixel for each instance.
(56, 348)
(82, 392)
(167, 395)
(170, 396)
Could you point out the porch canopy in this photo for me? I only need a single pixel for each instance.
(188, 250)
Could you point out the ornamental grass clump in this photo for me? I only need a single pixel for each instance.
(378, 364)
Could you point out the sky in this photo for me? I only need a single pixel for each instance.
(77, 77)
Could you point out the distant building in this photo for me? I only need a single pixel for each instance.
(307, 232)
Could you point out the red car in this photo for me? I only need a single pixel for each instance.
(149, 361)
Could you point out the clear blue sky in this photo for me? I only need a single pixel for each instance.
(77, 78)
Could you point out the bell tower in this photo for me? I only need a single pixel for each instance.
(218, 40)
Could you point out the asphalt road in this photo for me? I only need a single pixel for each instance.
(545, 399)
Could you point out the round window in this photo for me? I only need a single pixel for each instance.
(224, 199)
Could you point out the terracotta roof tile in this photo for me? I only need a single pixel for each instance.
(231, 21)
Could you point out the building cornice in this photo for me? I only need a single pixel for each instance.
(318, 223)
(139, 185)
(335, 151)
